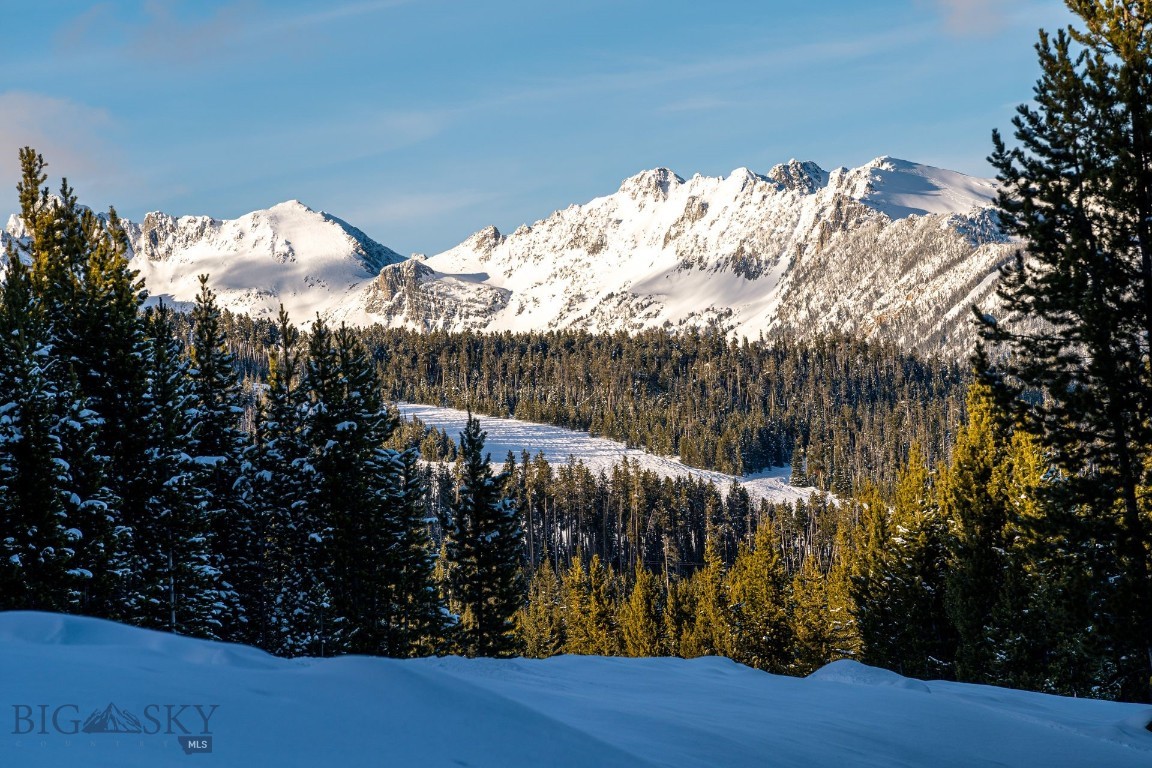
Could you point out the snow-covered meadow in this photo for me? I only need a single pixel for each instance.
(559, 445)
(176, 698)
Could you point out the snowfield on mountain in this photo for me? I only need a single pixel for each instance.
(892, 251)
(175, 701)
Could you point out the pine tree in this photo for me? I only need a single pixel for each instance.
(486, 550)
(900, 590)
(1077, 189)
(376, 557)
(640, 615)
(842, 633)
(540, 623)
(589, 609)
(757, 588)
(53, 469)
(418, 626)
(811, 625)
(711, 632)
(976, 509)
(283, 602)
(678, 610)
(37, 511)
(170, 580)
(217, 443)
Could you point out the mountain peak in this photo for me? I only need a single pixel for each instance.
(804, 177)
(901, 188)
(292, 205)
(485, 240)
(654, 184)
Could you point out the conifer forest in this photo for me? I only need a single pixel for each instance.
(985, 520)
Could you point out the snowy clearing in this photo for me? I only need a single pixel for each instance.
(151, 699)
(559, 445)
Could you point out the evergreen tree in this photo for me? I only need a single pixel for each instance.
(540, 623)
(282, 599)
(640, 615)
(975, 508)
(811, 625)
(900, 590)
(486, 550)
(711, 632)
(53, 469)
(417, 625)
(38, 514)
(678, 610)
(589, 609)
(217, 443)
(1077, 189)
(169, 579)
(757, 588)
(842, 633)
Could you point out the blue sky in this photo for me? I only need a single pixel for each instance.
(421, 121)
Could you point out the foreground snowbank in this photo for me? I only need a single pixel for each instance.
(158, 700)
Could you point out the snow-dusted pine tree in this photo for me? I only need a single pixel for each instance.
(486, 552)
(217, 443)
(170, 581)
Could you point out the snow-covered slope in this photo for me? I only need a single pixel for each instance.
(152, 699)
(560, 445)
(308, 260)
(893, 250)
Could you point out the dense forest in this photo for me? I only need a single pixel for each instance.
(243, 480)
(842, 412)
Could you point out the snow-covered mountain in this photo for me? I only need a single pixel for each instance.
(891, 250)
(308, 260)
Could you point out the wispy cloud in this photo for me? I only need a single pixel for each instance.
(68, 134)
(421, 206)
(340, 13)
(697, 104)
(973, 17)
(180, 32)
(984, 18)
(770, 59)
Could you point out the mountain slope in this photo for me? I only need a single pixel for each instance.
(891, 250)
(310, 261)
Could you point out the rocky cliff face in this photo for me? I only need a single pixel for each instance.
(892, 250)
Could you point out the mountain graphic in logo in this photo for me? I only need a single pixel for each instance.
(112, 719)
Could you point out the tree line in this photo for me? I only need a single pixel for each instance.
(841, 411)
(136, 485)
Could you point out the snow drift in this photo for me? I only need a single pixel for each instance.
(189, 696)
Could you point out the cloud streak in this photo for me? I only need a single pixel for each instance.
(68, 134)
(968, 18)
(181, 33)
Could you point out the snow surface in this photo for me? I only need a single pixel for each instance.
(565, 711)
(309, 261)
(559, 445)
(894, 250)
(900, 188)
(889, 250)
